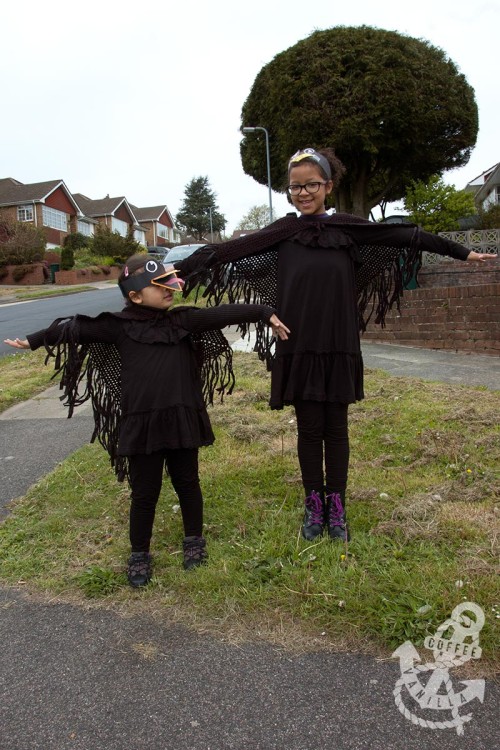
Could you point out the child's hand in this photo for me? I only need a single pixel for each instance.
(279, 329)
(17, 343)
(481, 257)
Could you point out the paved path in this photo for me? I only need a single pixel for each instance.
(88, 679)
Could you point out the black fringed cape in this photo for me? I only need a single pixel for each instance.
(386, 257)
(93, 370)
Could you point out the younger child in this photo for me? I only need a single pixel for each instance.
(148, 371)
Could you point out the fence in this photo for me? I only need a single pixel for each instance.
(479, 240)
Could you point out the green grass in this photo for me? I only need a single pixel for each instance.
(22, 375)
(422, 502)
(37, 292)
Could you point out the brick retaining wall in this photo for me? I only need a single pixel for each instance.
(33, 277)
(458, 273)
(459, 318)
(85, 276)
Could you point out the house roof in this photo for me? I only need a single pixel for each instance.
(148, 213)
(101, 207)
(242, 233)
(490, 181)
(151, 213)
(14, 193)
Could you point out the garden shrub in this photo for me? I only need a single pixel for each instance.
(67, 258)
(19, 272)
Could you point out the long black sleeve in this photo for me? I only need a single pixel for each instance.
(401, 236)
(211, 318)
(103, 329)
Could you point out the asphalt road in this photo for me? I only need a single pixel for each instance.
(21, 318)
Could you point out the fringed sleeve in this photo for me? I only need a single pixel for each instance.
(89, 371)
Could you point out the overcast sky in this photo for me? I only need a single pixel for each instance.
(137, 98)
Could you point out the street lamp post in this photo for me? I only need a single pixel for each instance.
(268, 159)
(211, 226)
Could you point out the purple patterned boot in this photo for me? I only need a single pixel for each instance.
(313, 516)
(336, 517)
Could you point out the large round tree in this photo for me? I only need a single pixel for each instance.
(396, 109)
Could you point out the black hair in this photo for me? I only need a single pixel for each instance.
(336, 166)
(134, 266)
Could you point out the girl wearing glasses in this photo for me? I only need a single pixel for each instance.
(326, 275)
(148, 371)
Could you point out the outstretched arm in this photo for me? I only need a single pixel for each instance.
(220, 316)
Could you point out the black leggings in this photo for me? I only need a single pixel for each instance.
(322, 431)
(146, 476)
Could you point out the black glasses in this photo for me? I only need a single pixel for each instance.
(309, 187)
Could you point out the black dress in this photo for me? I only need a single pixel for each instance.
(321, 360)
(161, 401)
(326, 275)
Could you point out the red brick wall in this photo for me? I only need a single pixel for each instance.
(458, 273)
(85, 276)
(33, 277)
(459, 318)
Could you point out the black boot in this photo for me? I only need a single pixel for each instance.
(336, 517)
(194, 550)
(140, 569)
(314, 515)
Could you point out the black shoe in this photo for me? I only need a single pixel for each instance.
(336, 518)
(313, 516)
(139, 569)
(195, 553)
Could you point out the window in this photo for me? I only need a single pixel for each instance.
(54, 218)
(85, 228)
(119, 226)
(25, 213)
(140, 236)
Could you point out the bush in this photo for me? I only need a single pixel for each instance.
(489, 219)
(20, 243)
(67, 259)
(108, 243)
(76, 241)
(19, 272)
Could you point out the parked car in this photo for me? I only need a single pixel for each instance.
(157, 250)
(180, 252)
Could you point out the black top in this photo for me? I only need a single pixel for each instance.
(322, 275)
(321, 360)
(162, 405)
(317, 297)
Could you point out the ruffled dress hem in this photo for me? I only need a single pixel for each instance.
(336, 377)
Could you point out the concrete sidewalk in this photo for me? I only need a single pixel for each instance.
(75, 678)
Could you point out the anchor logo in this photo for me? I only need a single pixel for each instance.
(437, 693)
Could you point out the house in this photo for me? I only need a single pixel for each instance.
(486, 187)
(242, 233)
(158, 225)
(48, 205)
(114, 213)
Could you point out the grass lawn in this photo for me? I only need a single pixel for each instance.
(422, 504)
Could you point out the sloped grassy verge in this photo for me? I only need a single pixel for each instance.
(423, 508)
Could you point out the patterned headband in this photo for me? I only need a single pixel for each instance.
(310, 153)
(153, 273)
